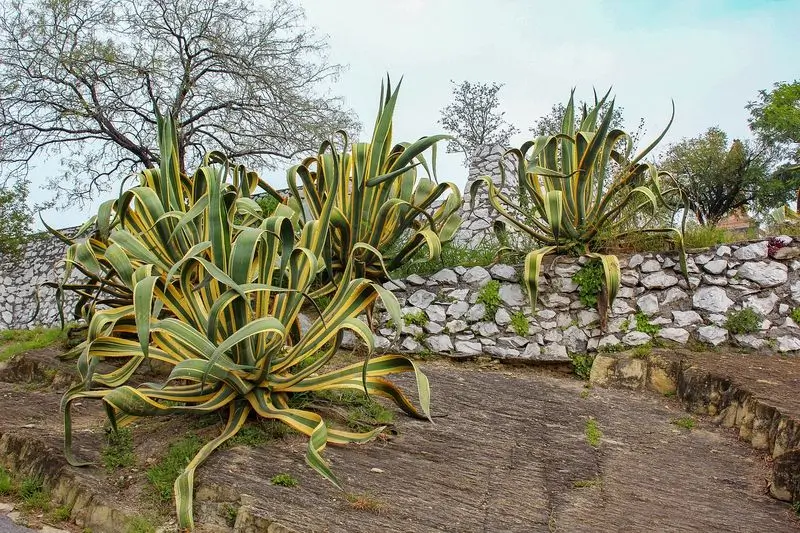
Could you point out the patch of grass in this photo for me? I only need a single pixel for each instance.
(283, 480)
(6, 482)
(795, 315)
(590, 279)
(418, 319)
(140, 524)
(744, 321)
(643, 324)
(163, 474)
(361, 412)
(364, 502)
(706, 237)
(685, 422)
(585, 393)
(587, 483)
(642, 351)
(34, 497)
(452, 255)
(61, 513)
(118, 451)
(489, 296)
(582, 364)
(592, 432)
(519, 323)
(16, 341)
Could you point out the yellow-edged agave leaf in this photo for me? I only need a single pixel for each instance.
(580, 188)
(199, 280)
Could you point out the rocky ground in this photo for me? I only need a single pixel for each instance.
(509, 450)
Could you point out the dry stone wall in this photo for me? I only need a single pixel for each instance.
(21, 279)
(444, 314)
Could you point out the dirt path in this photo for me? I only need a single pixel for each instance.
(507, 453)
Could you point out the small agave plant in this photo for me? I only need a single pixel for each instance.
(216, 292)
(577, 187)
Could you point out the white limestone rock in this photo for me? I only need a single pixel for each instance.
(713, 299)
(712, 335)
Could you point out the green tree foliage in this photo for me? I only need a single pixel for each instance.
(473, 118)
(775, 119)
(15, 217)
(86, 76)
(719, 176)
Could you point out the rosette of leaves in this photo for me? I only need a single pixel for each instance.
(384, 213)
(578, 186)
(219, 301)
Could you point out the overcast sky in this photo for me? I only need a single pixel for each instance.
(710, 56)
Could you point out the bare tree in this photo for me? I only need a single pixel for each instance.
(473, 118)
(82, 79)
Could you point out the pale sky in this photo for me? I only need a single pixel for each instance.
(710, 56)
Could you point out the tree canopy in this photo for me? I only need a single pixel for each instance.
(473, 118)
(550, 124)
(15, 217)
(82, 79)
(719, 176)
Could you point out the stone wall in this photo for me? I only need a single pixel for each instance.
(21, 279)
(444, 316)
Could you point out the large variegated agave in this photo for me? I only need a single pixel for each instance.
(218, 300)
(383, 213)
(577, 187)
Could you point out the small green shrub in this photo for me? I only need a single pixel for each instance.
(418, 319)
(592, 432)
(519, 323)
(489, 296)
(744, 321)
(163, 474)
(283, 480)
(6, 482)
(364, 502)
(643, 324)
(685, 422)
(118, 451)
(267, 203)
(590, 279)
(795, 315)
(582, 364)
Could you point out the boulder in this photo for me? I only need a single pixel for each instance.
(766, 274)
(713, 299)
(756, 250)
(712, 335)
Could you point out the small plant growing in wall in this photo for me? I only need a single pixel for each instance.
(643, 324)
(582, 364)
(519, 322)
(744, 321)
(489, 296)
(417, 319)
(589, 280)
(795, 315)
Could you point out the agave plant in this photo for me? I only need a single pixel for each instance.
(219, 302)
(577, 187)
(98, 283)
(383, 213)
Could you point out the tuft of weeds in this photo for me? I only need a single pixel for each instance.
(140, 524)
(362, 412)
(61, 514)
(489, 296)
(230, 511)
(253, 436)
(16, 341)
(706, 237)
(592, 432)
(519, 323)
(452, 255)
(118, 451)
(163, 474)
(582, 364)
(685, 422)
(418, 319)
(743, 321)
(587, 483)
(795, 315)
(6, 482)
(34, 496)
(642, 351)
(283, 480)
(364, 502)
(643, 324)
